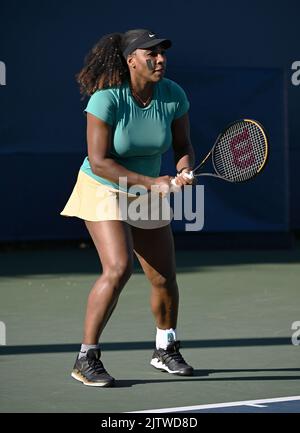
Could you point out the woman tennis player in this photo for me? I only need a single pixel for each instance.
(134, 115)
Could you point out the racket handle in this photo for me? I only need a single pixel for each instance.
(189, 175)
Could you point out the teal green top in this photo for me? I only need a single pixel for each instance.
(140, 135)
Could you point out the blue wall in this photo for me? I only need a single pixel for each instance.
(233, 59)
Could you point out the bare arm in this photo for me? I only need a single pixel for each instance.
(183, 150)
(99, 136)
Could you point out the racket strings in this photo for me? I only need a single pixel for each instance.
(240, 152)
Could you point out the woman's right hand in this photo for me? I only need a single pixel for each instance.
(162, 184)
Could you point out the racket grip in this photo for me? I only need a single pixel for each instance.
(189, 175)
(175, 187)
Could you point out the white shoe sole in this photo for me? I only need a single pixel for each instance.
(160, 366)
(82, 379)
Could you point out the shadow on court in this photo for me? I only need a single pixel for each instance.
(205, 375)
(237, 310)
(81, 258)
(145, 345)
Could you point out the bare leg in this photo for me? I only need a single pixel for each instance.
(155, 251)
(113, 242)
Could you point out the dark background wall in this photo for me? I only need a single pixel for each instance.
(233, 58)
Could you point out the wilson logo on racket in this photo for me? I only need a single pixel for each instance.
(242, 150)
(239, 153)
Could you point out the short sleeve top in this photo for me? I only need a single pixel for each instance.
(140, 135)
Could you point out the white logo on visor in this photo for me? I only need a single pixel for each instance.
(151, 35)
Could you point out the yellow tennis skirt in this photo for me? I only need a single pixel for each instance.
(93, 201)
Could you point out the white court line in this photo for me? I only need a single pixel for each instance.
(216, 405)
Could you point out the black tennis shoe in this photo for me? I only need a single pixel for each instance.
(171, 360)
(90, 371)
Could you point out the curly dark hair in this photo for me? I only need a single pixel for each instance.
(105, 65)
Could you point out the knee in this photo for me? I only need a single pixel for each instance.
(164, 281)
(118, 273)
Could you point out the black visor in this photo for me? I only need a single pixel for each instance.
(146, 40)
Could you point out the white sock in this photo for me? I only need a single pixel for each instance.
(85, 347)
(164, 337)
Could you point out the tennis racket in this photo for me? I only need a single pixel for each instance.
(240, 152)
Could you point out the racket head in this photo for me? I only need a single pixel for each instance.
(240, 151)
